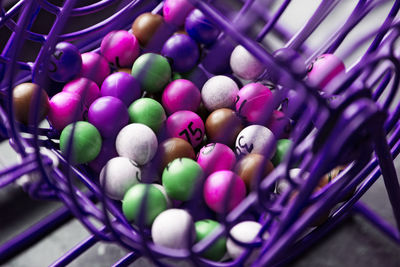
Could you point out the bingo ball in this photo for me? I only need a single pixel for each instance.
(148, 112)
(85, 141)
(109, 115)
(26, 98)
(279, 124)
(85, 88)
(132, 203)
(181, 178)
(65, 108)
(282, 147)
(256, 139)
(217, 250)
(293, 60)
(223, 126)
(223, 191)
(94, 67)
(245, 65)
(200, 28)
(118, 175)
(65, 62)
(216, 60)
(152, 71)
(181, 94)
(254, 102)
(176, 11)
(120, 48)
(251, 167)
(173, 228)
(146, 26)
(196, 75)
(123, 86)
(216, 157)
(137, 142)
(186, 125)
(167, 199)
(182, 51)
(219, 92)
(106, 153)
(324, 69)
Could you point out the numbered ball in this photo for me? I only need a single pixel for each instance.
(279, 124)
(65, 108)
(200, 28)
(26, 98)
(120, 48)
(216, 157)
(123, 86)
(148, 112)
(146, 26)
(109, 115)
(223, 126)
(251, 167)
(152, 71)
(182, 51)
(84, 145)
(254, 102)
(137, 142)
(173, 228)
(176, 11)
(282, 147)
(107, 152)
(205, 228)
(181, 178)
(94, 67)
(256, 139)
(65, 62)
(219, 92)
(181, 94)
(118, 175)
(186, 125)
(223, 191)
(85, 88)
(132, 203)
(245, 65)
(325, 69)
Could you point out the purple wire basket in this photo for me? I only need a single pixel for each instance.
(359, 129)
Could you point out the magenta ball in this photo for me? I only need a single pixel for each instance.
(254, 101)
(176, 11)
(85, 88)
(324, 69)
(107, 152)
(94, 67)
(109, 115)
(279, 123)
(221, 188)
(216, 157)
(186, 125)
(120, 48)
(123, 86)
(181, 94)
(65, 108)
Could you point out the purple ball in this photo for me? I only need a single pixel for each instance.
(107, 152)
(65, 62)
(200, 28)
(123, 86)
(109, 115)
(182, 51)
(181, 94)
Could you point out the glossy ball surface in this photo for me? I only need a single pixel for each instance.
(146, 26)
(148, 112)
(219, 92)
(186, 125)
(65, 108)
(94, 67)
(107, 152)
(181, 94)
(176, 11)
(120, 48)
(282, 147)
(123, 86)
(221, 188)
(279, 124)
(216, 157)
(256, 139)
(245, 65)
(196, 76)
(65, 62)
(324, 69)
(137, 142)
(167, 198)
(85, 141)
(223, 126)
(252, 166)
(182, 51)
(85, 88)
(200, 28)
(204, 228)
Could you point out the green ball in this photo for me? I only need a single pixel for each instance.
(152, 71)
(282, 147)
(181, 177)
(176, 76)
(132, 202)
(86, 142)
(203, 229)
(148, 112)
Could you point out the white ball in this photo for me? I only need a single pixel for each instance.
(162, 189)
(219, 92)
(172, 228)
(244, 232)
(245, 65)
(118, 175)
(256, 139)
(137, 142)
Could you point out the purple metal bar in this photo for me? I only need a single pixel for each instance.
(270, 25)
(80, 11)
(127, 259)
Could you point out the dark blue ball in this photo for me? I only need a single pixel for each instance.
(65, 63)
(200, 28)
(182, 51)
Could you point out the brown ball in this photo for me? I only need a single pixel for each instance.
(24, 100)
(223, 126)
(250, 166)
(330, 176)
(146, 26)
(129, 71)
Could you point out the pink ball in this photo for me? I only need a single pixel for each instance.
(181, 94)
(65, 108)
(223, 187)
(186, 125)
(216, 157)
(324, 69)
(85, 88)
(176, 11)
(121, 48)
(94, 67)
(279, 121)
(254, 102)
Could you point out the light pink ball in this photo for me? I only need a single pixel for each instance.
(65, 108)
(216, 191)
(94, 67)
(176, 11)
(244, 64)
(216, 157)
(85, 88)
(181, 94)
(324, 69)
